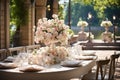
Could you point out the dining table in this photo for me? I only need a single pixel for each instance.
(52, 72)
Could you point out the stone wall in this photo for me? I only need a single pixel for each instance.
(35, 12)
(26, 31)
(4, 24)
(40, 9)
(55, 7)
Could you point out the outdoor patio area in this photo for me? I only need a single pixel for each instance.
(59, 39)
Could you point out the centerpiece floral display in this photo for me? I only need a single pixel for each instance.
(46, 56)
(51, 32)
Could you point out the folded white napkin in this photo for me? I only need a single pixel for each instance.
(9, 59)
(86, 53)
(31, 68)
(71, 63)
(86, 57)
(7, 65)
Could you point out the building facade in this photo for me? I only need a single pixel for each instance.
(36, 9)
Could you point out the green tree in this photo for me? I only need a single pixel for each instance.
(18, 17)
(80, 10)
(100, 5)
(18, 12)
(104, 8)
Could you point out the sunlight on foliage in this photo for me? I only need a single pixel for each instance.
(60, 13)
(100, 5)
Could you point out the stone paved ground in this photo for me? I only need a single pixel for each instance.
(102, 54)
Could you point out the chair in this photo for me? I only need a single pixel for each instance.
(31, 47)
(112, 67)
(100, 73)
(15, 51)
(2, 54)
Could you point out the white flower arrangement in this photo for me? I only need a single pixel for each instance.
(82, 23)
(46, 56)
(106, 24)
(51, 31)
(55, 55)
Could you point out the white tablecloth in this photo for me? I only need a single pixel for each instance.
(54, 72)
